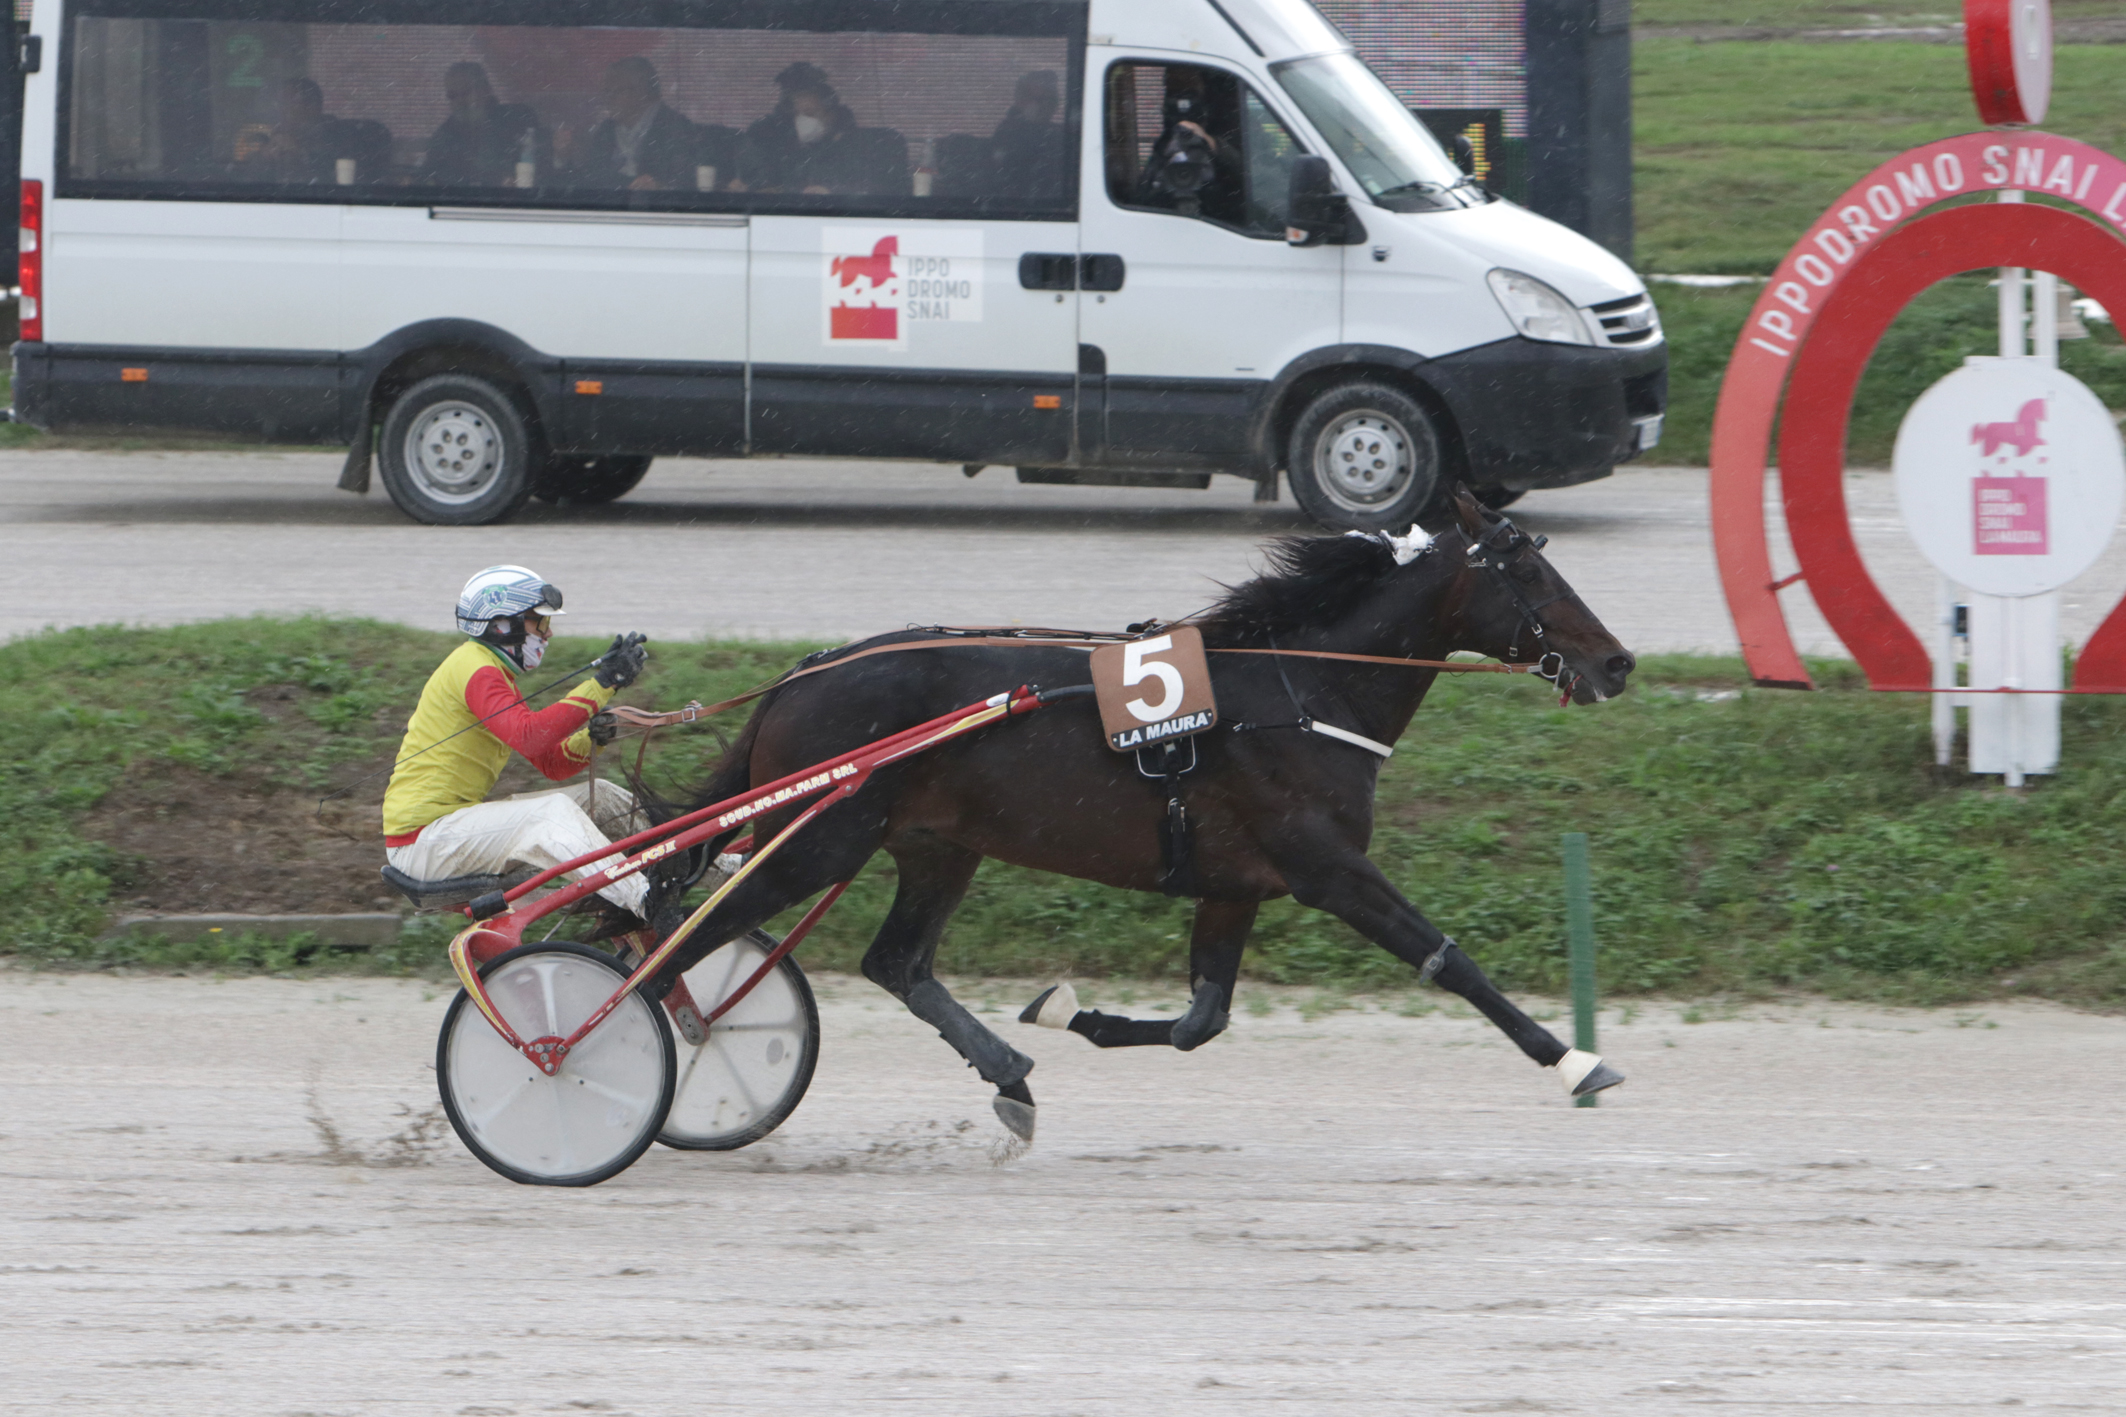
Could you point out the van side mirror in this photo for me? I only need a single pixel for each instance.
(1315, 212)
(1465, 154)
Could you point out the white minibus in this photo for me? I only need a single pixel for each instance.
(503, 249)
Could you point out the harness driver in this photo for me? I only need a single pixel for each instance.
(437, 821)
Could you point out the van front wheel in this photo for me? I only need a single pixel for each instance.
(1364, 457)
(457, 451)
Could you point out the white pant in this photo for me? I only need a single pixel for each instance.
(539, 829)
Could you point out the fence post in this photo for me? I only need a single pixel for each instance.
(1579, 921)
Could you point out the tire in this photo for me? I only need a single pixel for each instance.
(1364, 457)
(596, 1114)
(750, 1074)
(1499, 498)
(458, 451)
(582, 481)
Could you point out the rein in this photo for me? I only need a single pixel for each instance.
(1504, 541)
(1088, 642)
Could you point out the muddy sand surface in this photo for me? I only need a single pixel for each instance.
(237, 1197)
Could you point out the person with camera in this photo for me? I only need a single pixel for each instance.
(1191, 169)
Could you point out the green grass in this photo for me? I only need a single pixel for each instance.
(1738, 147)
(1743, 839)
(1928, 340)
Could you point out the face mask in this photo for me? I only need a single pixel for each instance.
(531, 651)
(810, 129)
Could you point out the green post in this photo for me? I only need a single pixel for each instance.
(1579, 921)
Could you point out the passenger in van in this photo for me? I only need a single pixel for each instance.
(1026, 152)
(1195, 165)
(809, 142)
(308, 142)
(642, 145)
(484, 140)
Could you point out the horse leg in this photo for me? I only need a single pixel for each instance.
(934, 875)
(1215, 944)
(1355, 892)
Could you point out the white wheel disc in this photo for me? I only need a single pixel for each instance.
(753, 1069)
(592, 1117)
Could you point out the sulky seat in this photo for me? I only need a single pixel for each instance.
(452, 891)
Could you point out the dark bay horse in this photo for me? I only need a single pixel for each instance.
(1275, 804)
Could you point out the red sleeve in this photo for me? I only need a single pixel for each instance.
(541, 736)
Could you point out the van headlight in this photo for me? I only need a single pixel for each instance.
(1537, 311)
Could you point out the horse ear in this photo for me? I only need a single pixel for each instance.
(1468, 511)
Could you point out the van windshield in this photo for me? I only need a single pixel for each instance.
(1398, 162)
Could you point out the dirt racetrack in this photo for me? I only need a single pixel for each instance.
(236, 1197)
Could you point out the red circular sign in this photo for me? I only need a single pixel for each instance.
(1825, 269)
(2008, 44)
(1812, 446)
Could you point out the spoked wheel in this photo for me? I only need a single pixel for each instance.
(752, 1071)
(593, 1117)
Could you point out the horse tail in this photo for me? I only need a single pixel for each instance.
(733, 772)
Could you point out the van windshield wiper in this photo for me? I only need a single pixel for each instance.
(1427, 189)
(1410, 189)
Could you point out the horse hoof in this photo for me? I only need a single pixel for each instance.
(1016, 1116)
(1053, 1007)
(1583, 1073)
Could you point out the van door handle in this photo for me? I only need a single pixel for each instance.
(1103, 272)
(1048, 270)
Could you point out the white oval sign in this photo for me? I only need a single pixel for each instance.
(2010, 476)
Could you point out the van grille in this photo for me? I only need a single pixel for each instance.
(1630, 322)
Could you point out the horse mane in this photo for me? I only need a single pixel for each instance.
(1311, 580)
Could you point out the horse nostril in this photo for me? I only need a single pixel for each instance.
(1621, 664)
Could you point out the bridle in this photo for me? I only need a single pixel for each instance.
(1500, 547)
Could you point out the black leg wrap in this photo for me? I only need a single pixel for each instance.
(997, 1061)
(1206, 1017)
(1115, 1031)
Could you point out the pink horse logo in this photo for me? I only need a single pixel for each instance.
(2022, 433)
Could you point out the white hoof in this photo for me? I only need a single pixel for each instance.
(1055, 1008)
(1583, 1073)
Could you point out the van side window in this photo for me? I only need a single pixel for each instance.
(1196, 141)
(892, 115)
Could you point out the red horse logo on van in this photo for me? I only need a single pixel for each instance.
(869, 322)
(2022, 433)
(876, 267)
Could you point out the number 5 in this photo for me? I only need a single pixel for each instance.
(1136, 669)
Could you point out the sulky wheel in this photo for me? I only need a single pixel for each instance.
(458, 451)
(754, 1068)
(583, 480)
(593, 1117)
(1364, 457)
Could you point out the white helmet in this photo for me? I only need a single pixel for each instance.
(501, 592)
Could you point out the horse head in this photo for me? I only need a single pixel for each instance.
(1510, 603)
